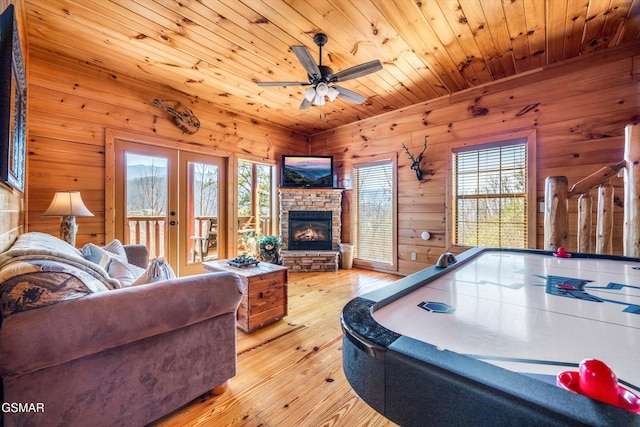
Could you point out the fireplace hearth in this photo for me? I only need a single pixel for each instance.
(310, 230)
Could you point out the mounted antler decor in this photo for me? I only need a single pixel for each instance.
(415, 165)
(183, 117)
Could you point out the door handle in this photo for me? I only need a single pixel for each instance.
(172, 223)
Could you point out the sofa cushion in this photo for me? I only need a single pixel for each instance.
(25, 285)
(158, 270)
(122, 271)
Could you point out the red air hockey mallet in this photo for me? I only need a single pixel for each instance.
(562, 253)
(596, 380)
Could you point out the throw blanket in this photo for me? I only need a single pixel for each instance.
(42, 246)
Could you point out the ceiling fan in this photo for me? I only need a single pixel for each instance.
(321, 77)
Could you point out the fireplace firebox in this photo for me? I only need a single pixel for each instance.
(310, 230)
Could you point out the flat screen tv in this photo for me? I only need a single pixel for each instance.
(307, 171)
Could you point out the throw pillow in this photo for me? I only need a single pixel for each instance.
(95, 254)
(157, 271)
(116, 248)
(124, 272)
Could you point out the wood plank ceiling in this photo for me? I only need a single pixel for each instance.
(216, 50)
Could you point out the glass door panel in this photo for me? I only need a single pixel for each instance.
(146, 202)
(202, 203)
(203, 210)
(145, 198)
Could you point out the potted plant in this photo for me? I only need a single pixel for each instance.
(270, 249)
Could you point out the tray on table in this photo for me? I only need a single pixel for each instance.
(243, 262)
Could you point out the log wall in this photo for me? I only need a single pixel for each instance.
(72, 104)
(11, 201)
(578, 110)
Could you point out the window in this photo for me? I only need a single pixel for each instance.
(492, 197)
(255, 204)
(375, 214)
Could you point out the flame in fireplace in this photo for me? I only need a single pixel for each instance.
(309, 234)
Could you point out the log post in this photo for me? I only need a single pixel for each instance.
(556, 216)
(585, 202)
(604, 236)
(631, 234)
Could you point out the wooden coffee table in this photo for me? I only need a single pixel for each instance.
(265, 297)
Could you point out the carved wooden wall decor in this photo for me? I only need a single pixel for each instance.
(183, 117)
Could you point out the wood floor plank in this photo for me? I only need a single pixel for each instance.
(290, 373)
(319, 382)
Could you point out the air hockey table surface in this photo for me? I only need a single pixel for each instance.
(498, 323)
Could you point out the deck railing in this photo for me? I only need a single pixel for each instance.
(150, 231)
(557, 196)
(201, 224)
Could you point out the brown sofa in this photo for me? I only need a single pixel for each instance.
(119, 357)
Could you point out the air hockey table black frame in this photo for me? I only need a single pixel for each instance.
(412, 383)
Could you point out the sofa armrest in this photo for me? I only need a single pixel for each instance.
(137, 255)
(69, 330)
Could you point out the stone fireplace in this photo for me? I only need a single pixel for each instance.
(310, 224)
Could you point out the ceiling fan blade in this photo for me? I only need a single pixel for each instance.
(307, 62)
(305, 104)
(283, 83)
(357, 71)
(349, 95)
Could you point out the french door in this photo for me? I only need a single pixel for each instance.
(170, 200)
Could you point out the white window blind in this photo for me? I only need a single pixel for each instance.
(374, 216)
(491, 196)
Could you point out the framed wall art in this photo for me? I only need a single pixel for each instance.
(13, 109)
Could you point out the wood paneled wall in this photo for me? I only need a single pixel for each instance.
(72, 103)
(578, 110)
(12, 201)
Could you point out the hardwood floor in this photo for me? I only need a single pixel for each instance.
(290, 373)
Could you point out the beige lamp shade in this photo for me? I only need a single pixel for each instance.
(67, 203)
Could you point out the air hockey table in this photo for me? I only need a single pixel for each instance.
(483, 340)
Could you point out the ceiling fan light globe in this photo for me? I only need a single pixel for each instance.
(319, 99)
(332, 94)
(322, 89)
(309, 94)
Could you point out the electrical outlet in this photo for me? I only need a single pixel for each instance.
(541, 207)
(413, 256)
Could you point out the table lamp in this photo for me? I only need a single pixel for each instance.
(68, 205)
